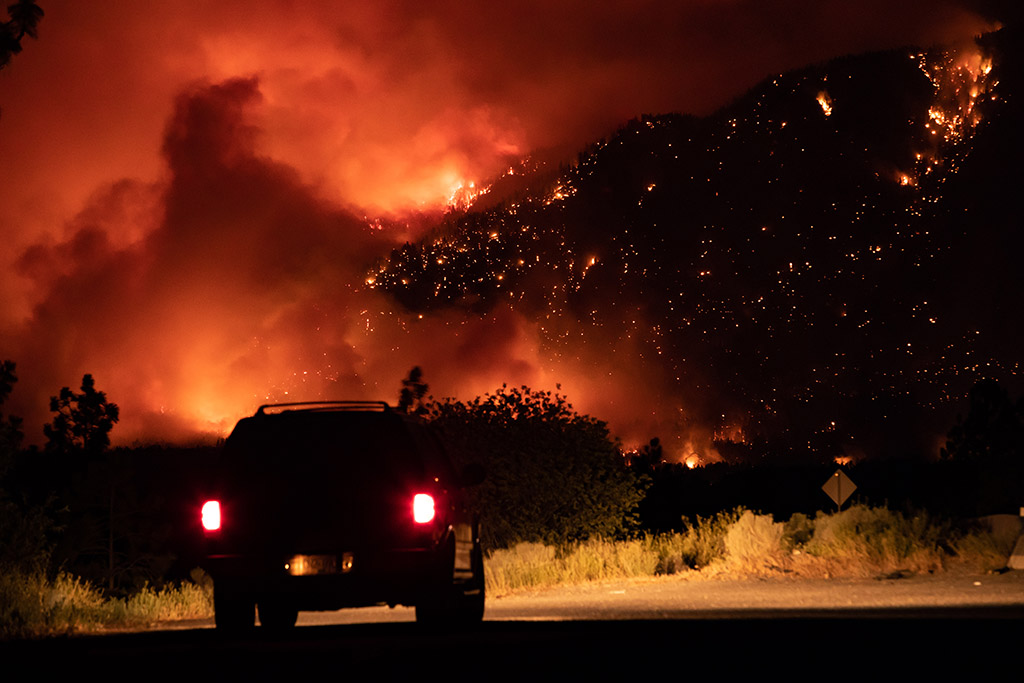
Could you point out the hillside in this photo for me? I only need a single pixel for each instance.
(828, 264)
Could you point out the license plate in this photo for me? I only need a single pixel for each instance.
(310, 565)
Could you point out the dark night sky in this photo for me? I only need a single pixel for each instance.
(189, 188)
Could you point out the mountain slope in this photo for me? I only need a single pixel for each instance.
(827, 263)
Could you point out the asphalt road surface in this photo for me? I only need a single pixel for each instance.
(828, 630)
(673, 598)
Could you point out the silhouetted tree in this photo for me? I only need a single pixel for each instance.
(552, 474)
(24, 17)
(81, 427)
(10, 426)
(986, 448)
(414, 389)
(648, 458)
(82, 422)
(993, 429)
(26, 525)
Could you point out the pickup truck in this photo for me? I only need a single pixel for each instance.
(320, 506)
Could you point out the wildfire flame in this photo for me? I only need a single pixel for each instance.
(826, 102)
(959, 81)
(463, 195)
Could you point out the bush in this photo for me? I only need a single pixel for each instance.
(985, 545)
(798, 530)
(754, 542)
(552, 475)
(703, 541)
(868, 540)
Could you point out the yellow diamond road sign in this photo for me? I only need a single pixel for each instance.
(839, 487)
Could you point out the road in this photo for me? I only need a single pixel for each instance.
(673, 598)
(803, 629)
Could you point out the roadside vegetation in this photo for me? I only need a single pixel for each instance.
(34, 605)
(98, 538)
(859, 542)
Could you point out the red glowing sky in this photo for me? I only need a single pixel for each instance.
(185, 184)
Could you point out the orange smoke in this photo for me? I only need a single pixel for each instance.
(244, 291)
(191, 190)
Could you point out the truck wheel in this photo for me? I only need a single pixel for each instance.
(233, 610)
(276, 614)
(454, 604)
(472, 599)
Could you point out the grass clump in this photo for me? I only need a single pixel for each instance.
(530, 565)
(187, 600)
(33, 605)
(754, 543)
(985, 544)
(703, 542)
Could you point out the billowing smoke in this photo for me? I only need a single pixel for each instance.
(190, 189)
(241, 286)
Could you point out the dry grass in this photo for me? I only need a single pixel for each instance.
(529, 565)
(857, 542)
(863, 541)
(753, 543)
(989, 542)
(32, 605)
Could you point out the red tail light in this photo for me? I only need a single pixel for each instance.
(423, 508)
(211, 515)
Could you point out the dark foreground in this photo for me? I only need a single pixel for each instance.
(882, 644)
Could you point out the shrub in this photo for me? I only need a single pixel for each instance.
(32, 605)
(869, 540)
(798, 530)
(984, 545)
(703, 541)
(553, 475)
(754, 542)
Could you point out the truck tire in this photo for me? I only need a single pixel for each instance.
(451, 603)
(276, 614)
(233, 610)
